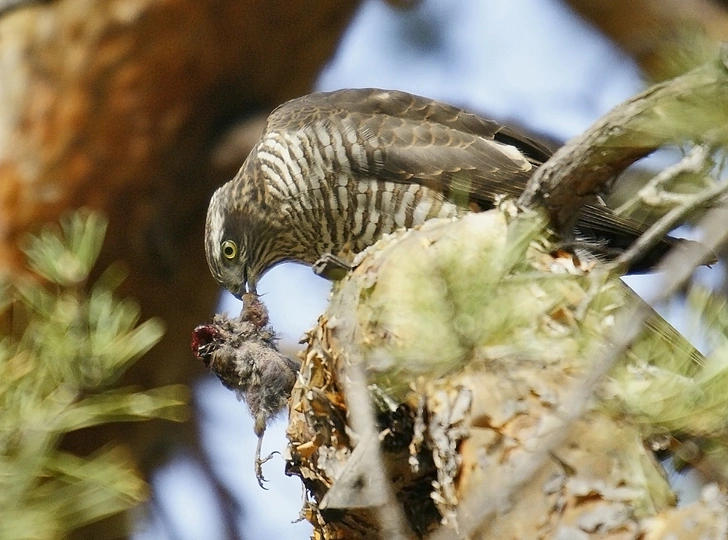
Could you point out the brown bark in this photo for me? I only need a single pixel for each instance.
(654, 32)
(107, 100)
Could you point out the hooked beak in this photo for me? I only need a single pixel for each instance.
(252, 284)
(247, 286)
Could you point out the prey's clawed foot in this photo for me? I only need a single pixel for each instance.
(259, 468)
(331, 267)
(260, 461)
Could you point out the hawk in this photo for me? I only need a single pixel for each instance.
(340, 169)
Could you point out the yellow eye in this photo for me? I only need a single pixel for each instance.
(229, 249)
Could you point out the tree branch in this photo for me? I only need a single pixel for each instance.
(690, 107)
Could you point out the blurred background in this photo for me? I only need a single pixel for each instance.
(141, 108)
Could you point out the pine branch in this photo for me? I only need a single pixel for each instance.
(68, 343)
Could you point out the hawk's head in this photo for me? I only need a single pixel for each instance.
(242, 233)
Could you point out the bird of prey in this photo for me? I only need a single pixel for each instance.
(336, 170)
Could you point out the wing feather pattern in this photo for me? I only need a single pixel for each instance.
(409, 138)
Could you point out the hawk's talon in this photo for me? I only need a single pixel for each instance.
(331, 267)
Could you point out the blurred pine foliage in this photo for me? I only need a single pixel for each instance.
(67, 341)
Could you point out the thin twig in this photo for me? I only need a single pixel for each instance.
(652, 193)
(667, 222)
(486, 498)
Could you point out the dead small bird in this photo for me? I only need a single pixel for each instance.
(243, 354)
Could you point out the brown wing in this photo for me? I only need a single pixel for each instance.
(408, 138)
(419, 140)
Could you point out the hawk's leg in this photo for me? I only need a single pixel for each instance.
(331, 267)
